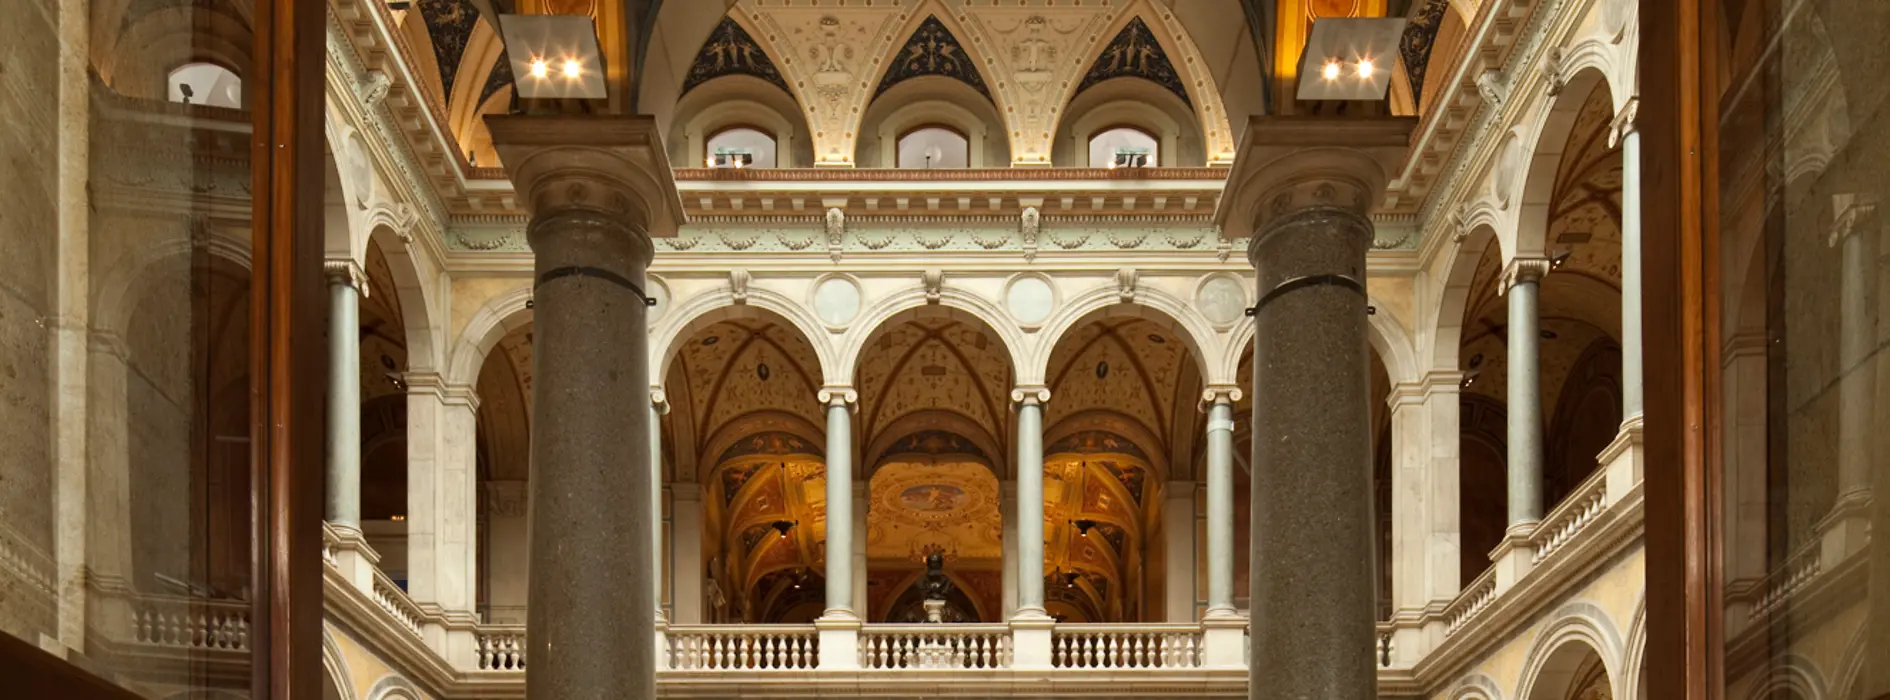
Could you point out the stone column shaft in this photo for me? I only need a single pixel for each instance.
(1030, 500)
(345, 283)
(659, 564)
(1304, 187)
(1007, 511)
(839, 503)
(1522, 282)
(1220, 500)
(1632, 382)
(598, 187)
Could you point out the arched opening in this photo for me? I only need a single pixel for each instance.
(934, 147)
(934, 420)
(745, 470)
(740, 147)
(1124, 147)
(931, 101)
(206, 84)
(1122, 429)
(502, 461)
(1573, 671)
(1138, 105)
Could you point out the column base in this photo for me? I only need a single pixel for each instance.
(1224, 641)
(1515, 556)
(839, 641)
(1031, 629)
(1624, 461)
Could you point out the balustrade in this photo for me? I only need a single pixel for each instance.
(190, 623)
(749, 648)
(1475, 598)
(395, 601)
(929, 646)
(1126, 646)
(502, 648)
(1571, 517)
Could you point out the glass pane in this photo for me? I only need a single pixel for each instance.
(1805, 376)
(124, 339)
(934, 147)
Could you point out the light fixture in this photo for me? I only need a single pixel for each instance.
(783, 526)
(570, 41)
(1560, 258)
(1343, 51)
(1083, 526)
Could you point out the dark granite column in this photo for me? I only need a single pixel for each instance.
(595, 187)
(1304, 189)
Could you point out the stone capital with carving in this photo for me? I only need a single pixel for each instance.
(1220, 393)
(610, 167)
(1521, 271)
(1290, 165)
(1030, 395)
(346, 272)
(1624, 122)
(1850, 214)
(831, 396)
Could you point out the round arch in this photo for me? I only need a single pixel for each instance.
(1458, 273)
(338, 677)
(931, 100)
(411, 296)
(708, 308)
(1132, 102)
(913, 301)
(1550, 128)
(503, 313)
(739, 100)
(1387, 336)
(1794, 676)
(885, 444)
(1148, 303)
(1577, 629)
(136, 269)
(392, 687)
(1476, 686)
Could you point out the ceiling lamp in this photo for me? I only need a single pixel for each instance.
(1349, 51)
(783, 526)
(558, 54)
(1083, 526)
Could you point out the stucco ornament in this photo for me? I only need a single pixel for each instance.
(1044, 55)
(829, 52)
(1489, 85)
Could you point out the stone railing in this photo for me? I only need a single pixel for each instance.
(931, 646)
(191, 623)
(392, 599)
(1786, 581)
(1571, 517)
(502, 648)
(743, 647)
(1126, 646)
(1475, 598)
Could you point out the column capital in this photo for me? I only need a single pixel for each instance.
(432, 384)
(346, 272)
(1624, 121)
(1523, 270)
(1035, 395)
(831, 396)
(101, 341)
(1850, 214)
(659, 400)
(1219, 393)
(610, 165)
(1291, 164)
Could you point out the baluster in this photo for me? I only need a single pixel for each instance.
(718, 655)
(778, 643)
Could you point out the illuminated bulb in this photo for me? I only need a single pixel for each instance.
(708, 162)
(1332, 70)
(572, 68)
(1365, 68)
(539, 69)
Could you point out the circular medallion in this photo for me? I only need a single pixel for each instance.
(836, 301)
(1221, 298)
(1029, 299)
(658, 292)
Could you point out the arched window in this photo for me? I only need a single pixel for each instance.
(741, 147)
(934, 147)
(206, 84)
(1123, 147)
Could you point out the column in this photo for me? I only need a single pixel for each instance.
(1029, 469)
(346, 285)
(1305, 189)
(1855, 233)
(1521, 280)
(1426, 527)
(839, 624)
(659, 406)
(598, 187)
(1031, 625)
(1625, 132)
(1007, 511)
(1220, 499)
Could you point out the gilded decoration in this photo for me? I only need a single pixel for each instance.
(1420, 36)
(1035, 56)
(729, 50)
(1135, 53)
(450, 25)
(932, 50)
(829, 55)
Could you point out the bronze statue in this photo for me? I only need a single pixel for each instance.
(935, 584)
